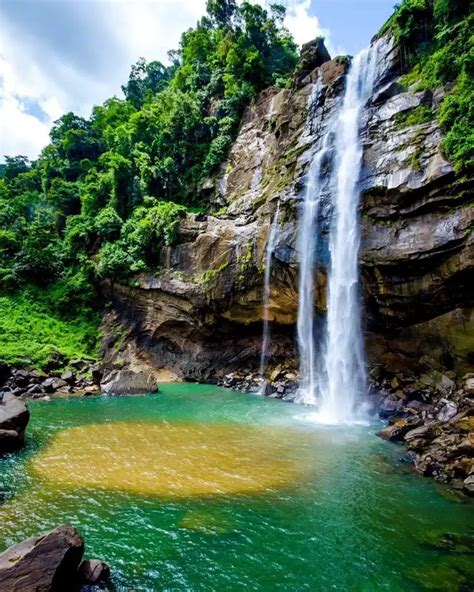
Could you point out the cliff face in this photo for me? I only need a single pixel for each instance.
(202, 315)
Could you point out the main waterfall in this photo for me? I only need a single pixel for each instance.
(336, 383)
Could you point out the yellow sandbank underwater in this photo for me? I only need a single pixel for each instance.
(172, 459)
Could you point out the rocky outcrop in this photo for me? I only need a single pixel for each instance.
(50, 563)
(82, 378)
(47, 563)
(14, 417)
(434, 418)
(313, 55)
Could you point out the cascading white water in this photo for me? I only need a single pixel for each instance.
(307, 233)
(266, 292)
(336, 380)
(333, 376)
(345, 380)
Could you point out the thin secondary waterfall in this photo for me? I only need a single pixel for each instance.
(345, 378)
(337, 381)
(266, 292)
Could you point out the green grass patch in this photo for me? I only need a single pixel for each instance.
(417, 116)
(33, 332)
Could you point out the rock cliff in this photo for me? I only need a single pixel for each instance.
(201, 316)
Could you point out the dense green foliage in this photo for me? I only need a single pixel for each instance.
(101, 200)
(34, 331)
(108, 192)
(436, 38)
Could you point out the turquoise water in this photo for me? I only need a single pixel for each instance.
(320, 509)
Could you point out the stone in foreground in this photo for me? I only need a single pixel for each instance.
(93, 571)
(47, 563)
(14, 417)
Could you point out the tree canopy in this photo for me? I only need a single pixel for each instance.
(108, 191)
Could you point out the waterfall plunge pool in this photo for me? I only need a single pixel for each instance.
(202, 489)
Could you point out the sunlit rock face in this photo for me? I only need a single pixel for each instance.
(169, 460)
(203, 314)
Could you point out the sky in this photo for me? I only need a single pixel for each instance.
(68, 55)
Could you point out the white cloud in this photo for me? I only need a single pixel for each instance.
(20, 132)
(68, 56)
(304, 26)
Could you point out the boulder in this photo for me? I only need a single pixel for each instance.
(417, 438)
(5, 372)
(56, 361)
(469, 386)
(128, 382)
(48, 385)
(47, 563)
(21, 378)
(14, 417)
(313, 55)
(390, 406)
(266, 389)
(9, 440)
(447, 412)
(93, 571)
(68, 377)
(80, 365)
(96, 372)
(396, 431)
(468, 485)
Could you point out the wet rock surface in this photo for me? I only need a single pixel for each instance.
(51, 563)
(93, 572)
(433, 416)
(14, 417)
(46, 563)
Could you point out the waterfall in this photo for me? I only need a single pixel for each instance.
(335, 382)
(266, 292)
(307, 233)
(345, 379)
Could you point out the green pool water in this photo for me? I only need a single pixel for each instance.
(203, 489)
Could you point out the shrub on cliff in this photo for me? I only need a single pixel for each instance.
(437, 44)
(151, 226)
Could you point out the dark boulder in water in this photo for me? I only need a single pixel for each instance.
(47, 563)
(51, 563)
(93, 571)
(14, 417)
